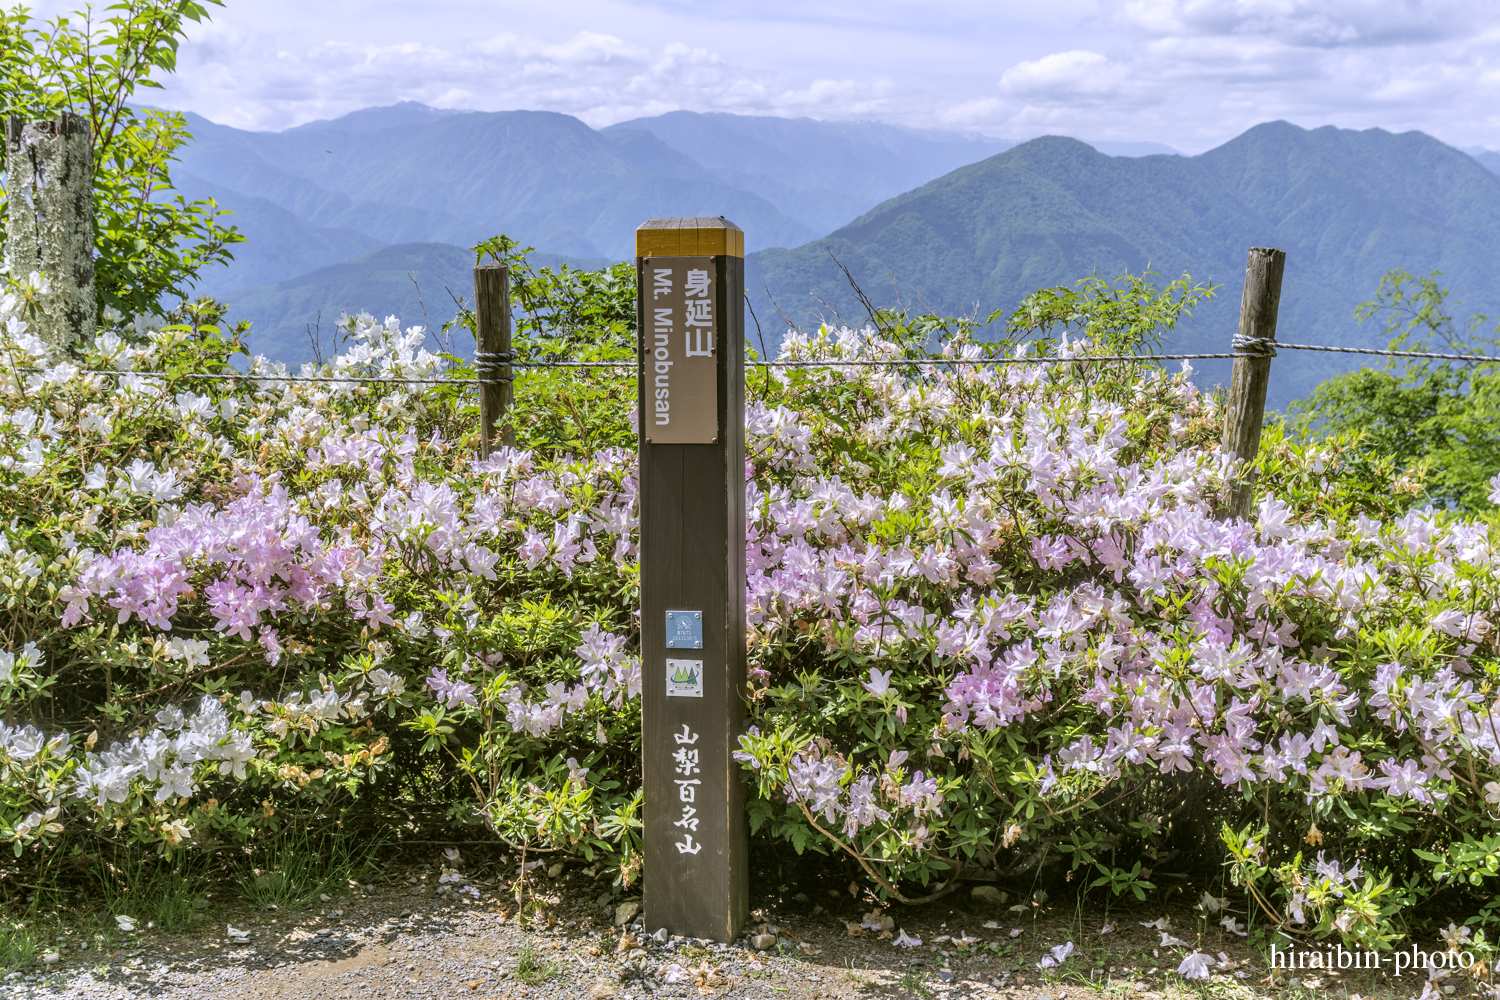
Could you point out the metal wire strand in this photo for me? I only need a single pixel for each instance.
(1079, 359)
(489, 364)
(247, 377)
(1254, 347)
(1475, 358)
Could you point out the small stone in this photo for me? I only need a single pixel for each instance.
(625, 911)
(555, 870)
(763, 942)
(661, 935)
(987, 894)
(323, 897)
(946, 975)
(51, 958)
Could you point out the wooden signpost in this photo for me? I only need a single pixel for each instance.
(691, 278)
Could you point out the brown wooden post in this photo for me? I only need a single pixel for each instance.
(492, 353)
(1246, 407)
(691, 278)
(49, 173)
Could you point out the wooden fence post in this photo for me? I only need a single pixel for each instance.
(49, 170)
(1253, 351)
(492, 353)
(690, 280)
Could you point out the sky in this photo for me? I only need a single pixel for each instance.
(1187, 73)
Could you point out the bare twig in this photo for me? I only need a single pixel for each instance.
(758, 335)
(864, 863)
(426, 323)
(315, 337)
(777, 306)
(864, 299)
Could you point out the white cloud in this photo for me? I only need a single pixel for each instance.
(1201, 71)
(1191, 73)
(1074, 76)
(1315, 23)
(259, 82)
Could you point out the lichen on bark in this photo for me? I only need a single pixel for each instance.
(50, 228)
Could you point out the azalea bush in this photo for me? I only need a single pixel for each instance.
(996, 619)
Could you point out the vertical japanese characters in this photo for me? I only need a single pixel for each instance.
(679, 348)
(686, 760)
(698, 316)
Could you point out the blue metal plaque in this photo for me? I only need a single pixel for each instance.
(684, 630)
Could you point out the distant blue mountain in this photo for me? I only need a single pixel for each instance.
(326, 192)
(409, 173)
(822, 173)
(278, 242)
(1488, 157)
(417, 282)
(1109, 148)
(1346, 206)
(378, 119)
(341, 213)
(403, 175)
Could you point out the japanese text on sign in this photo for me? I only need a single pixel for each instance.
(686, 760)
(680, 398)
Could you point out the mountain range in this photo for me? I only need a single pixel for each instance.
(410, 173)
(1346, 206)
(372, 211)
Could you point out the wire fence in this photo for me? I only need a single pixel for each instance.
(489, 365)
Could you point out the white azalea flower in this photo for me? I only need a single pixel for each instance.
(1196, 966)
(386, 684)
(194, 651)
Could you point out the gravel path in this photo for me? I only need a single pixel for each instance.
(435, 940)
(436, 951)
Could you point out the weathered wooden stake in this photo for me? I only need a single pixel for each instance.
(492, 353)
(1253, 350)
(49, 175)
(691, 278)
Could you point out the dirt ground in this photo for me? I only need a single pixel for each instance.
(433, 932)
